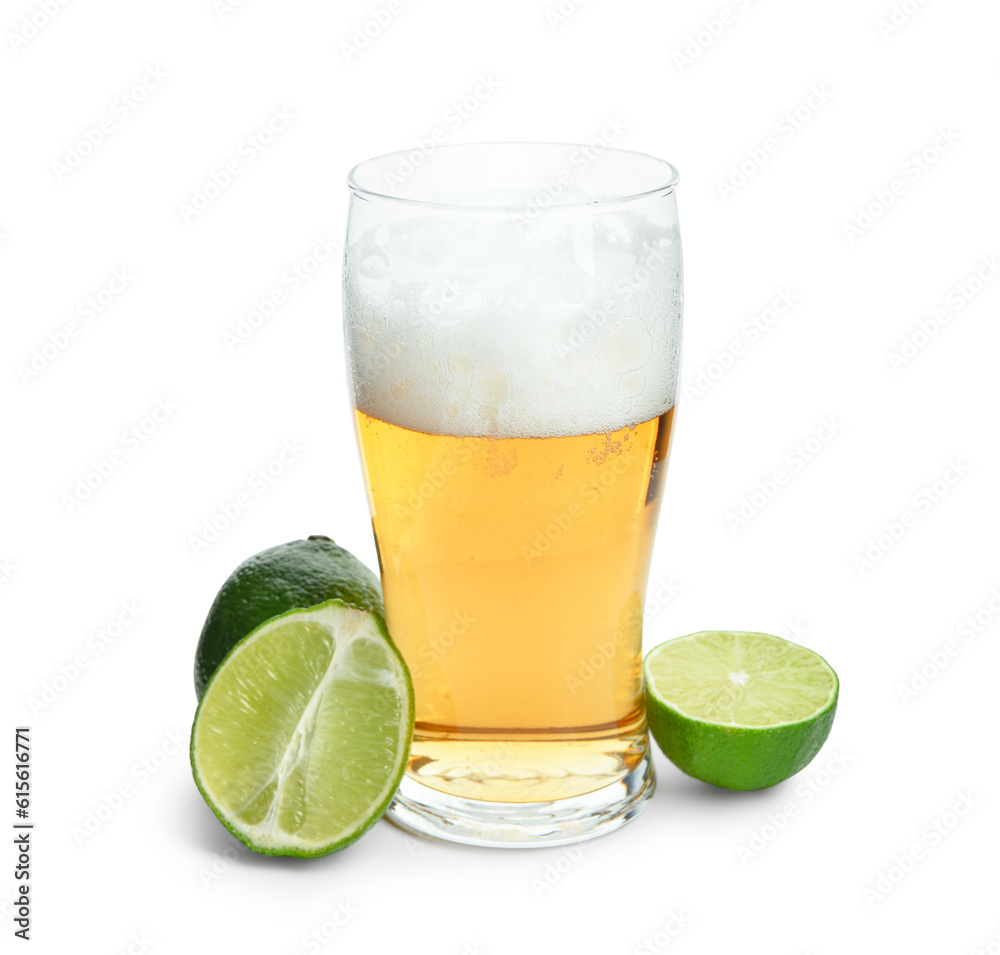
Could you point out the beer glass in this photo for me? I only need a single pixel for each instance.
(512, 316)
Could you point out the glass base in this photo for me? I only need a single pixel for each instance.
(423, 811)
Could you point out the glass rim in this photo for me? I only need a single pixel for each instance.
(664, 188)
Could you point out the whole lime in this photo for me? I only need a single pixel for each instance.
(291, 576)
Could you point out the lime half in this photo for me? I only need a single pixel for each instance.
(303, 732)
(739, 710)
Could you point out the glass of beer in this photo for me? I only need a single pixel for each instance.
(512, 315)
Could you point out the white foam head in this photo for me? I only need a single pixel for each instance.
(519, 317)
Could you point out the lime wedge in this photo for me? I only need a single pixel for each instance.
(303, 732)
(739, 710)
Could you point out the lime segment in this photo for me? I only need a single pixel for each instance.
(739, 710)
(302, 734)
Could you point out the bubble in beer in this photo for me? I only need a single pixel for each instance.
(627, 348)
(460, 364)
(361, 341)
(633, 384)
(490, 385)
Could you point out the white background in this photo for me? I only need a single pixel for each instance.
(160, 870)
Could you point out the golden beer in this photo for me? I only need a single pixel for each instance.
(514, 572)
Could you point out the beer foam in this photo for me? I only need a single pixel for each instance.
(508, 326)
